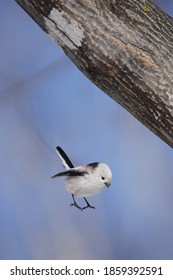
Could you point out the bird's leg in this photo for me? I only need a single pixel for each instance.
(75, 203)
(88, 205)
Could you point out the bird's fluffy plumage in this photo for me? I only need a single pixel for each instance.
(90, 182)
(84, 181)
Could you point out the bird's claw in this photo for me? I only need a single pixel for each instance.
(85, 207)
(76, 205)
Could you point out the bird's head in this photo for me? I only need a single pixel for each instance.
(102, 172)
(105, 174)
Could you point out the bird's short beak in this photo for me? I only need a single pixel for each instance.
(107, 185)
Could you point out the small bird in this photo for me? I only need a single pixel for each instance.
(84, 181)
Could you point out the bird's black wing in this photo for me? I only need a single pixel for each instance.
(71, 172)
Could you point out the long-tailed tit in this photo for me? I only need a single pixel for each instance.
(84, 181)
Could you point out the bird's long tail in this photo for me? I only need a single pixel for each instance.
(65, 160)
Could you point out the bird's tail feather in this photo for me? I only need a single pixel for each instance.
(65, 160)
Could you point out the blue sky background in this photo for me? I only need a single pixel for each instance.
(46, 101)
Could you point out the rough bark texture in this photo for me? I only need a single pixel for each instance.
(124, 47)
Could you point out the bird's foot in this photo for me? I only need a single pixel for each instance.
(76, 205)
(87, 206)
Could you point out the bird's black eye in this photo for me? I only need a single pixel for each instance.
(103, 178)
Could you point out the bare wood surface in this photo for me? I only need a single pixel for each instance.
(124, 47)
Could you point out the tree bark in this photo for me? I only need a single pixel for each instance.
(124, 47)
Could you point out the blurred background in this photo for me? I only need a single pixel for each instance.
(46, 101)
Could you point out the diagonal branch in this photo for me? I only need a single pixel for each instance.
(124, 47)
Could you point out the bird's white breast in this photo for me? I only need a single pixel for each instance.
(83, 186)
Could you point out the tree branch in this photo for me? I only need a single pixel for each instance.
(124, 47)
